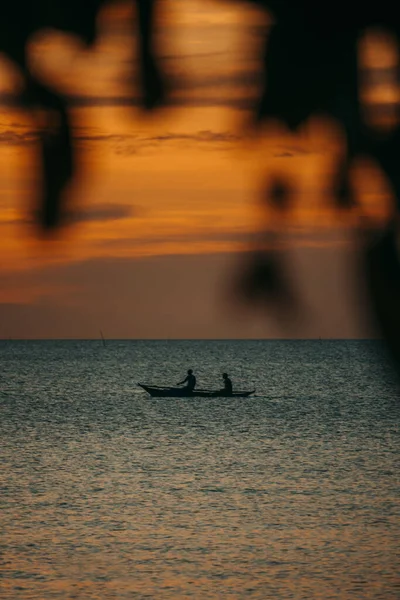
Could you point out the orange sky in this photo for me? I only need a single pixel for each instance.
(164, 205)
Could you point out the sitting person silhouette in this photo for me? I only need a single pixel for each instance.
(190, 379)
(227, 390)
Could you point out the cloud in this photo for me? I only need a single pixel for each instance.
(135, 142)
(235, 80)
(131, 144)
(240, 103)
(246, 102)
(205, 136)
(102, 213)
(13, 138)
(290, 150)
(97, 214)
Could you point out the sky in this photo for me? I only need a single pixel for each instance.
(163, 209)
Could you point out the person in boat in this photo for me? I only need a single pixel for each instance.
(227, 385)
(190, 381)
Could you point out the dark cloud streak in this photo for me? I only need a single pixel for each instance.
(12, 138)
(103, 213)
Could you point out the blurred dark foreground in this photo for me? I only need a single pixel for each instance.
(309, 66)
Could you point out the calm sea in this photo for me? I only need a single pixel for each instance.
(108, 493)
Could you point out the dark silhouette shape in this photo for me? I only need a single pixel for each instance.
(167, 392)
(309, 67)
(190, 379)
(152, 79)
(383, 279)
(227, 385)
(17, 24)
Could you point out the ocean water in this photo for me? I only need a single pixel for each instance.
(108, 493)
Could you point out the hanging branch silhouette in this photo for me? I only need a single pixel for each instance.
(309, 67)
(58, 162)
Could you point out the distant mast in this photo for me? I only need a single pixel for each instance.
(102, 337)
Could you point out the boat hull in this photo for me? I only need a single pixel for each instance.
(169, 392)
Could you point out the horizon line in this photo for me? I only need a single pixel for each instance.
(169, 339)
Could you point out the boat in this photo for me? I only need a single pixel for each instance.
(175, 392)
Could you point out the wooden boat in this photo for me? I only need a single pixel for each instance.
(175, 392)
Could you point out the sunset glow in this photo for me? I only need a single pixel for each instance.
(184, 184)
